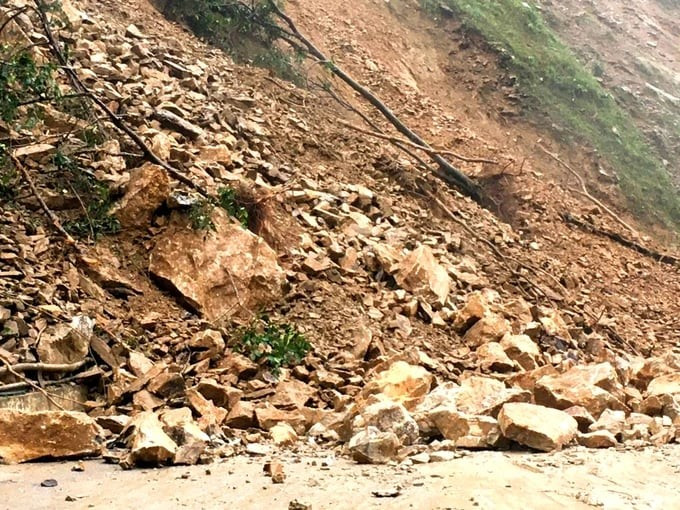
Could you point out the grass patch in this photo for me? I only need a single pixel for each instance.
(560, 87)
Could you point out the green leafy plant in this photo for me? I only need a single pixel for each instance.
(246, 30)
(8, 177)
(228, 201)
(24, 83)
(200, 215)
(93, 194)
(278, 345)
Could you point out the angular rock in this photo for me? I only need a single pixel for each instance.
(579, 387)
(527, 380)
(371, 446)
(219, 394)
(179, 424)
(238, 365)
(147, 190)
(67, 344)
(485, 396)
(477, 305)
(464, 430)
(173, 121)
(283, 434)
(492, 358)
(582, 417)
(612, 421)
(389, 416)
(149, 444)
(241, 415)
(597, 439)
(211, 415)
(167, 385)
(223, 273)
(267, 417)
(523, 350)
(490, 328)
(27, 436)
(209, 342)
(401, 382)
(668, 384)
(420, 273)
(536, 426)
(292, 394)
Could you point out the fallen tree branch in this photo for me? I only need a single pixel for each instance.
(643, 250)
(584, 190)
(117, 121)
(48, 212)
(428, 150)
(449, 173)
(30, 383)
(43, 367)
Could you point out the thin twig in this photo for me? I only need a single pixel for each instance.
(43, 367)
(584, 191)
(426, 149)
(52, 217)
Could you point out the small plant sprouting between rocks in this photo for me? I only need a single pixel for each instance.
(228, 202)
(278, 345)
(95, 197)
(200, 213)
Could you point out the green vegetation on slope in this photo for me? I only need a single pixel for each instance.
(560, 87)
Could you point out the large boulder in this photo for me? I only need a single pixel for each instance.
(228, 272)
(67, 343)
(388, 416)
(536, 426)
(523, 350)
(26, 436)
(589, 387)
(420, 273)
(148, 188)
(668, 384)
(149, 444)
(490, 328)
(401, 382)
(371, 446)
(485, 396)
(464, 430)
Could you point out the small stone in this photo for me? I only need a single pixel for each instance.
(50, 482)
(275, 470)
(371, 446)
(597, 439)
(442, 456)
(283, 434)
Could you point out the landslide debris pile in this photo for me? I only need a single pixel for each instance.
(134, 347)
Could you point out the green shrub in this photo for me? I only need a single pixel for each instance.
(228, 201)
(245, 30)
(93, 194)
(278, 345)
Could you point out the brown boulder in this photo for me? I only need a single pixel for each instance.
(67, 343)
(580, 386)
(668, 384)
(401, 382)
(490, 328)
(222, 273)
(536, 426)
(464, 430)
(147, 190)
(597, 439)
(388, 416)
(292, 394)
(485, 396)
(420, 273)
(148, 442)
(26, 436)
(523, 350)
(492, 358)
(219, 394)
(371, 446)
(241, 415)
(477, 305)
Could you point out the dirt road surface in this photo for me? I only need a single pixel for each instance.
(573, 479)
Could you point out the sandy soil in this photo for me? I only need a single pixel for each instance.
(574, 479)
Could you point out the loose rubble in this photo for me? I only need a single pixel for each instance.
(153, 327)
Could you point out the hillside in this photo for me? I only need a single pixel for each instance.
(205, 261)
